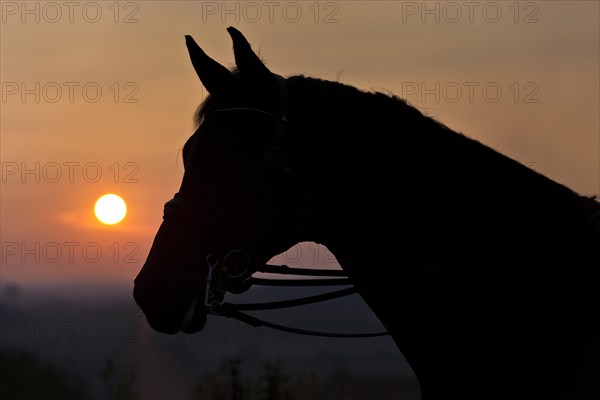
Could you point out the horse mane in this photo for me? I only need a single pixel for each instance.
(329, 98)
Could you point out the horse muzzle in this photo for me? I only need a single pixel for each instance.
(169, 311)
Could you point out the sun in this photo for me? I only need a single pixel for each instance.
(110, 209)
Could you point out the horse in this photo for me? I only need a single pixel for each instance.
(483, 271)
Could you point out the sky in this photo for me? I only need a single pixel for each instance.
(98, 97)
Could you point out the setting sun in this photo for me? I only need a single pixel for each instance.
(110, 209)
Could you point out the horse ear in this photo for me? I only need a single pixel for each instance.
(245, 59)
(215, 77)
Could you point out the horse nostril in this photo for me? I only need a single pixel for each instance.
(146, 294)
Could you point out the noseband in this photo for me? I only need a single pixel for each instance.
(220, 279)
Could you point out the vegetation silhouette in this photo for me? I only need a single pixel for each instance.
(120, 382)
(274, 383)
(24, 376)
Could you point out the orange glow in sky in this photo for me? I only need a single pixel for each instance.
(103, 102)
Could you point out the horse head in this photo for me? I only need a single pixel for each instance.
(229, 209)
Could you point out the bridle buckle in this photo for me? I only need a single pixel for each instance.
(214, 290)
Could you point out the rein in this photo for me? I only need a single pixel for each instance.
(234, 310)
(215, 289)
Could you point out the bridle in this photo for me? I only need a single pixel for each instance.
(220, 280)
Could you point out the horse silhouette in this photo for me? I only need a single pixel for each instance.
(484, 272)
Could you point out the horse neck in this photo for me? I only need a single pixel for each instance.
(376, 165)
(453, 219)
